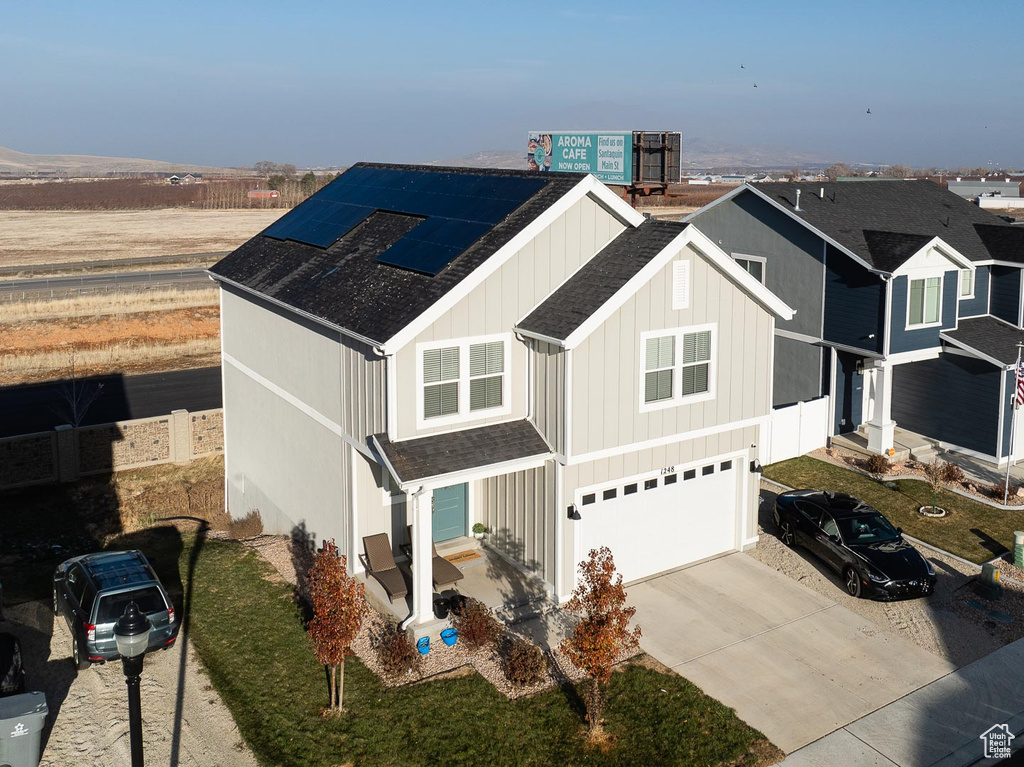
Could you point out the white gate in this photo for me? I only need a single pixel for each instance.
(797, 429)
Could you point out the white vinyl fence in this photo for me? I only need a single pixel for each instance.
(797, 429)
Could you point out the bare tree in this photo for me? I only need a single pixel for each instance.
(835, 170)
(76, 396)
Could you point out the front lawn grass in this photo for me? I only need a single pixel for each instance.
(250, 637)
(972, 530)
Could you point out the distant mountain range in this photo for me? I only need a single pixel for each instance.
(20, 163)
(698, 154)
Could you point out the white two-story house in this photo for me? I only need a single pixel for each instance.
(435, 347)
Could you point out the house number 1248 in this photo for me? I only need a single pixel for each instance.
(669, 470)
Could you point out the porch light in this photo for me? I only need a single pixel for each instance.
(755, 467)
(574, 513)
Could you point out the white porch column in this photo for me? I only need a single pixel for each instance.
(422, 570)
(881, 428)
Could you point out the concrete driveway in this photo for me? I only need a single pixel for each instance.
(792, 662)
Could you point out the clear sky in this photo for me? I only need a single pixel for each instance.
(330, 83)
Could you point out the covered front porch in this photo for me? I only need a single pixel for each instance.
(447, 484)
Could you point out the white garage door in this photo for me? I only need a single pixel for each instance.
(664, 521)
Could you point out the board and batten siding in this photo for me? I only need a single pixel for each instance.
(549, 393)
(520, 511)
(638, 462)
(504, 298)
(606, 366)
(364, 390)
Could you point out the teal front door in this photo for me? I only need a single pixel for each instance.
(449, 512)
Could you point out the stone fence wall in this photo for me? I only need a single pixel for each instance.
(67, 453)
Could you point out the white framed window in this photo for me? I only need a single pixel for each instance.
(753, 265)
(659, 365)
(677, 366)
(966, 283)
(924, 302)
(462, 379)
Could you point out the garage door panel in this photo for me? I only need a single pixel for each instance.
(666, 526)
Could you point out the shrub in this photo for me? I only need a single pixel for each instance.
(878, 464)
(395, 651)
(522, 662)
(476, 625)
(952, 473)
(248, 526)
(999, 490)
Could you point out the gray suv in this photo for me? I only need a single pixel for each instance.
(92, 592)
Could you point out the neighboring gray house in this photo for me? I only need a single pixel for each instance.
(437, 347)
(909, 304)
(972, 189)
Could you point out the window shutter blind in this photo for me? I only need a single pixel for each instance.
(680, 285)
(487, 359)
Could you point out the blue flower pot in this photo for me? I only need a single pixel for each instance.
(450, 637)
(423, 645)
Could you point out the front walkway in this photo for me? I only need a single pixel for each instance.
(938, 725)
(792, 662)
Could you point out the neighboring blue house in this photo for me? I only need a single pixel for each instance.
(910, 304)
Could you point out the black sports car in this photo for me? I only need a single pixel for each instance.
(856, 541)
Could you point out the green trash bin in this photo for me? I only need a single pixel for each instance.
(21, 729)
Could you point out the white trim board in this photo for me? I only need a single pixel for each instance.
(588, 186)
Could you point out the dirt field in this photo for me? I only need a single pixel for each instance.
(35, 237)
(35, 350)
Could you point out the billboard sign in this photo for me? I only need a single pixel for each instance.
(607, 155)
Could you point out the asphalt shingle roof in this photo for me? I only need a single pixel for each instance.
(598, 280)
(447, 453)
(344, 285)
(847, 211)
(989, 336)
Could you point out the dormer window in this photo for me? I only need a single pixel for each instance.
(925, 305)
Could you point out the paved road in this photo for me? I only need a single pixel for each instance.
(35, 407)
(107, 263)
(98, 282)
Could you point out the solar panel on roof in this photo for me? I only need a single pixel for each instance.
(431, 245)
(318, 222)
(458, 208)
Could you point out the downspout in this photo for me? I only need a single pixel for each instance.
(413, 496)
(887, 319)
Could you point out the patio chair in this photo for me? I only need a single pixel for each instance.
(380, 563)
(443, 572)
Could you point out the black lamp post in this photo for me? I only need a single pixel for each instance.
(132, 635)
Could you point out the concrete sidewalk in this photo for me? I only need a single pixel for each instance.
(938, 725)
(793, 663)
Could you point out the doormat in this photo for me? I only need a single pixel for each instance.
(462, 556)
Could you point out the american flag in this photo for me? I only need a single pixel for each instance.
(1018, 400)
